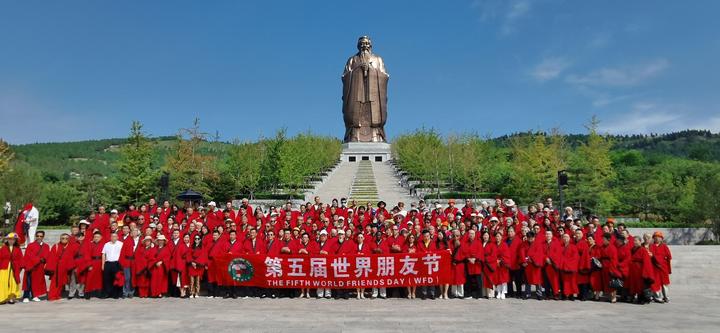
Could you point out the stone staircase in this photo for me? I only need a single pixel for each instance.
(364, 188)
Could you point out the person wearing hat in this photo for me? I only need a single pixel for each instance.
(661, 259)
(36, 255)
(11, 258)
(451, 209)
(159, 265)
(141, 278)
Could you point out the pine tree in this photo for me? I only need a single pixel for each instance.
(136, 178)
(535, 161)
(188, 167)
(594, 173)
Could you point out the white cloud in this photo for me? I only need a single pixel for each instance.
(506, 13)
(621, 76)
(550, 68)
(646, 118)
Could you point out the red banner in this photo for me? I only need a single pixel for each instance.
(328, 271)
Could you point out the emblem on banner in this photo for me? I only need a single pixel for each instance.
(241, 270)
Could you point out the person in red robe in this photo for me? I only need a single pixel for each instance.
(458, 258)
(127, 261)
(159, 266)
(502, 273)
(584, 265)
(661, 258)
(642, 273)
(308, 247)
(474, 256)
(489, 264)
(425, 245)
(214, 249)
(60, 264)
(568, 267)
(21, 228)
(180, 260)
(609, 260)
(517, 274)
(36, 255)
(533, 260)
(92, 266)
(233, 247)
(11, 263)
(196, 263)
(141, 278)
(624, 256)
(553, 257)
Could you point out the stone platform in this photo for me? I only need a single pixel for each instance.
(365, 151)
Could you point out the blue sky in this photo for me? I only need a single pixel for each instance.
(73, 70)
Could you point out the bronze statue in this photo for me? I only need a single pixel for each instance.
(365, 95)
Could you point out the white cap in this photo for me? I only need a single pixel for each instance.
(114, 211)
(509, 202)
(84, 222)
(494, 218)
(323, 232)
(211, 203)
(438, 206)
(340, 231)
(341, 218)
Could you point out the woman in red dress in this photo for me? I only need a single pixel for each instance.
(196, 262)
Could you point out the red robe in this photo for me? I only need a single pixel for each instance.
(180, 259)
(141, 277)
(502, 274)
(199, 257)
(661, 258)
(489, 265)
(609, 259)
(127, 255)
(534, 257)
(92, 264)
(15, 259)
(215, 249)
(596, 275)
(474, 249)
(641, 271)
(60, 264)
(553, 251)
(159, 274)
(584, 266)
(568, 267)
(458, 256)
(36, 255)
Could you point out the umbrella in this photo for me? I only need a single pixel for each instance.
(190, 195)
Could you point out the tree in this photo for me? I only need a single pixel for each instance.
(242, 167)
(60, 202)
(535, 161)
(6, 155)
(20, 185)
(137, 177)
(188, 167)
(270, 163)
(592, 167)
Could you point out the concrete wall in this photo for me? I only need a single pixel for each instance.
(678, 236)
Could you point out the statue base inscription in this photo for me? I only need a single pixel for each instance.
(366, 151)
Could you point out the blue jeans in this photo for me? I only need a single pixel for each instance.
(128, 290)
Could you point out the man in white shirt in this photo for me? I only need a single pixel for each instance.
(111, 266)
(32, 218)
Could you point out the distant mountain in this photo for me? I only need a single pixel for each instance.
(701, 145)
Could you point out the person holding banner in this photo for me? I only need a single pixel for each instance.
(474, 257)
(306, 247)
(410, 246)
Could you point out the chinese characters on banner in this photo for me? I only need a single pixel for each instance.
(328, 271)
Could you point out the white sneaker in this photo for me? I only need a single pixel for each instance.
(35, 299)
(26, 300)
(211, 297)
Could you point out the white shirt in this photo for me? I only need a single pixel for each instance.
(112, 251)
(32, 217)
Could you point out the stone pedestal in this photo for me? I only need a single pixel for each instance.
(366, 151)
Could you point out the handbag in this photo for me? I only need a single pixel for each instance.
(596, 264)
(616, 283)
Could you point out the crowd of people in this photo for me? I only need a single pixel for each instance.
(497, 250)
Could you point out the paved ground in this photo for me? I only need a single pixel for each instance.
(693, 308)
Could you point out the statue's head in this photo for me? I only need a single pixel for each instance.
(364, 43)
